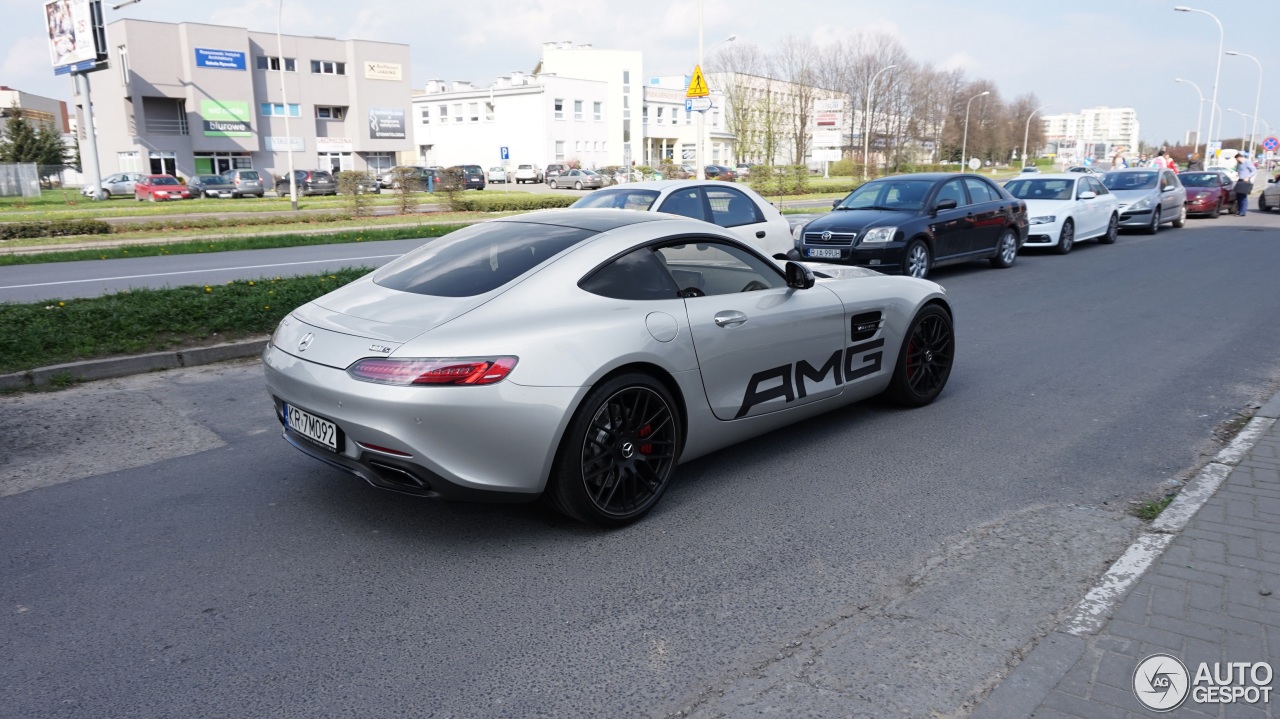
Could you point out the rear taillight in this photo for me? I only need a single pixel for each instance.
(448, 371)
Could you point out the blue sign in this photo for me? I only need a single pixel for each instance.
(1270, 144)
(506, 153)
(220, 59)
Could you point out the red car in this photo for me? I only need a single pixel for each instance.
(720, 172)
(1208, 193)
(160, 187)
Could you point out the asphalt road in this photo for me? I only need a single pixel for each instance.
(245, 579)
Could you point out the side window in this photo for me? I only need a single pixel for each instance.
(952, 190)
(979, 191)
(638, 275)
(1167, 179)
(731, 208)
(687, 202)
(715, 268)
(1098, 188)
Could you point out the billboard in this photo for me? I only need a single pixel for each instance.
(225, 118)
(77, 40)
(828, 119)
(220, 59)
(386, 123)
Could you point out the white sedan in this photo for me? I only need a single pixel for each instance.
(1066, 208)
(734, 207)
(497, 174)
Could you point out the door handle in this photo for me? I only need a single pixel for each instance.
(760, 234)
(729, 319)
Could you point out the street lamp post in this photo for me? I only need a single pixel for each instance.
(284, 99)
(866, 122)
(1199, 112)
(1217, 73)
(1244, 124)
(702, 116)
(1026, 134)
(964, 146)
(1257, 103)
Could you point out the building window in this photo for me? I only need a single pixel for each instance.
(122, 53)
(336, 161)
(659, 115)
(276, 109)
(577, 146)
(559, 150)
(626, 77)
(457, 112)
(644, 114)
(559, 105)
(379, 162)
(598, 109)
(326, 67)
(426, 116)
(326, 112)
(444, 113)
(688, 117)
(488, 112)
(269, 62)
(475, 111)
(577, 110)
(163, 163)
(128, 161)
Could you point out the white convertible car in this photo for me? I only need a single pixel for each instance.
(1065, 208)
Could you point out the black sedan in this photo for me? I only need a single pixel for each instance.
(910, 224)
(308, 182)
(211, 186)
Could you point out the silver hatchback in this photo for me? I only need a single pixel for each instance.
(1149, 197)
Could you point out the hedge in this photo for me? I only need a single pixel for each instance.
(510, 203)
(53, 228)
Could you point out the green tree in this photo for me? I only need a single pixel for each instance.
(20, 143)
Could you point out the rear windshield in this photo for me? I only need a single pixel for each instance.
(478, 259)
(321, 176)
(249, 175)
(1200, 179)
(210, 179)
(1041, 189)
(619, 199)
(1121, 181)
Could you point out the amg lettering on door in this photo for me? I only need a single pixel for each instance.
(787, 382)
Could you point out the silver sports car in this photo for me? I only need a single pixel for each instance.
(585, 353)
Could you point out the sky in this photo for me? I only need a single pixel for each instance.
(1122, 53)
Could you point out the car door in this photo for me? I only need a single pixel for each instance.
(951, 228)
(1172, 196)
(685, 201)
(761, 346)
(734, 211)
(987, 215)
(1103, 204)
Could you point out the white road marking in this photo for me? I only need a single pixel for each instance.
(1095, 609)
(192, 272)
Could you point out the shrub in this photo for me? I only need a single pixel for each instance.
(405, 182)
(53, 228)
(511, 202)
(349, 185)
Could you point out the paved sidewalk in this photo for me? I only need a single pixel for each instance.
(1213, 596)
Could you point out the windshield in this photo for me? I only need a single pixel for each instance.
(210, 180)
(1200, 179)
(1041, 189)
(525, 167)
(478, 259)
(1121, 181)
(619, 199)
(888, 195)
(251, 175)
(163, 181)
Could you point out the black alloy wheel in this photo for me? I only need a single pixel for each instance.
(1006, 250)
(1113, 231)
(1067, 238)
(924, 363)
(619, 452)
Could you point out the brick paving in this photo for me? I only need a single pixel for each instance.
(1213, 596)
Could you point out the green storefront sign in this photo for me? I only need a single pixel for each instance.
(225, 118)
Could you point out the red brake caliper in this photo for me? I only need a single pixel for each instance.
(911, 350)
(644, 432)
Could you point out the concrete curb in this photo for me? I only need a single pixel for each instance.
(135, 364)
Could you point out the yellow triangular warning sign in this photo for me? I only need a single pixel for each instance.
(698, 85)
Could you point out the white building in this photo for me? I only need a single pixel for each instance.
(671, 130)
(621, 72)
(1109, 126)
(529, 118)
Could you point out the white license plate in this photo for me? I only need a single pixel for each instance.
(312, 427)
(834, 254)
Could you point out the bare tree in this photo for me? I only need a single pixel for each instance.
(796, 62)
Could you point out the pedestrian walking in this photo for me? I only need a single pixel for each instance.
(1245, 171)
(1117, 160)
(1195, 163)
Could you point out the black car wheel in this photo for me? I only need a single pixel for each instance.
(1113, 231)
(1154, 227)
(1006, 250)
(916, 260)
(1217, 210)
(924, 363)
(1067, 238)
(619, 453)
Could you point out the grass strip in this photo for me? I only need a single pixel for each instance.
(146, 320)
(259, 242)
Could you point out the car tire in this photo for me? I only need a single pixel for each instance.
(106, 194)
(1217, 210)
(1066, 238)
(1154, 227)
(1006, 250)
(603, 451)
(577, 185)
(917, 260)
(1182, 217)
(925, 359)
(1113, 231)
(1262, 203)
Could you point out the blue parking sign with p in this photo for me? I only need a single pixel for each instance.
(505, 152)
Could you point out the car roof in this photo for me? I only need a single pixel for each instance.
(929, 176)
(1049, 176)
(1135, 169)
(598, 220)
(661, 185)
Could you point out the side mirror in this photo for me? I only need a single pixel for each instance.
(1088, 195)
(835, 204)
(1168, 188)
(799, 277)
(947, 204)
